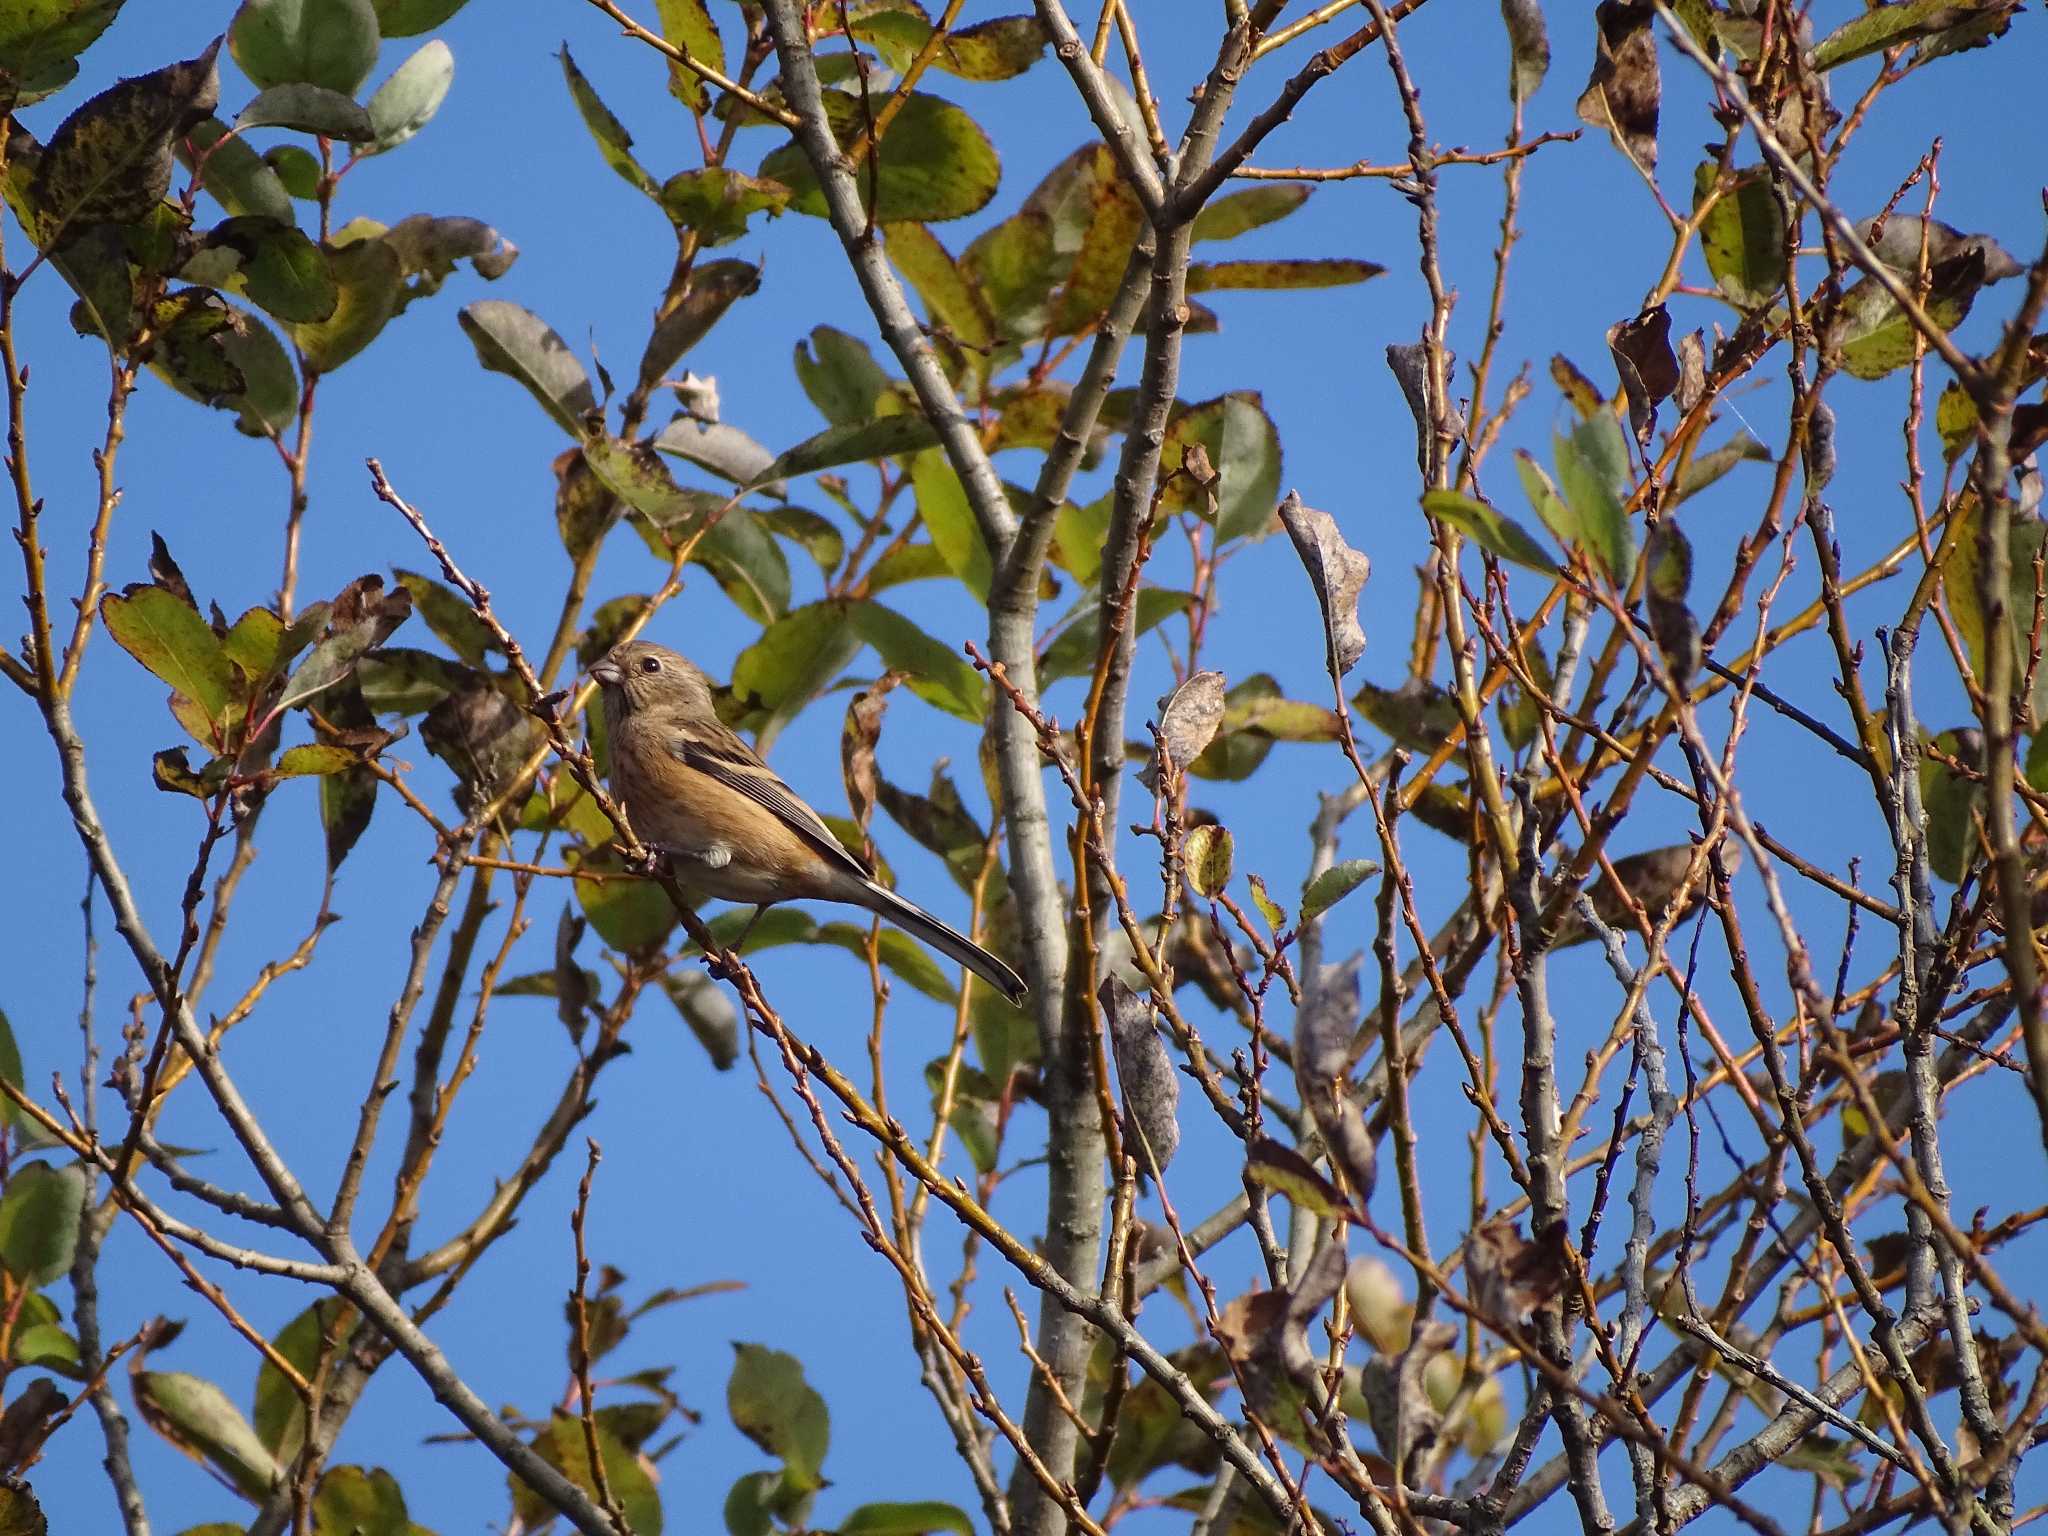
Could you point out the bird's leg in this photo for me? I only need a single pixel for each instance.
(718, 967)
(740, 943)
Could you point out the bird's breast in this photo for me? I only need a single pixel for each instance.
(721, 843)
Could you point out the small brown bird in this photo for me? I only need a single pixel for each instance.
(731, 827)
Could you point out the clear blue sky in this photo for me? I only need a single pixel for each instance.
(699, 1182)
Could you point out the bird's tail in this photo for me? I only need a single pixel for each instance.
(921, 925)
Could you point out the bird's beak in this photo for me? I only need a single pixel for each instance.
(607, 672)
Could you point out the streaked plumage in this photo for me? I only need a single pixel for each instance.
(731, 828)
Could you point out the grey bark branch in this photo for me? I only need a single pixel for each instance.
(92, 1351)
(1783, 1433)
(1123, 140)
(354, 1281)
(856, 231)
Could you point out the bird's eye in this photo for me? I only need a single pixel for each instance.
(649, 664)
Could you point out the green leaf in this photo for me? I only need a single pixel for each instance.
(1963, 582)
(1490, 529)
(1271, 910)
(1951, 804)
(449, 615)
(39, 1217)
(1542, 494)
(736, 550)
(905, 1520)
(899, 953)
(363, 616)
(359, 1501)
(346, 803)
(1334, 884)
(41, 39)
(196, 1416)
(613, 142)
(1286, 1172)
(1331, 272)
(908, 563)
(111, 160)
(1000, 48)
(294, 166)
(563, 1445)
(10, 1069)
(2035, 773)
(688, 25)
(1886, 26)
(1206, 853)
(1073, 651)
(1955, 419)
(278, 1413)
(44, 1346)
(407, 102)
(724, 450)
(751, 1504)
(939, 675)
(192, 326)
(235, 175)
(950, 297)
(1078, 536)
(166, 634)
(409, 18)
(935, 163)
(629, 915)
(1708, 467)
(281, 270)
(1876, 337)
(1226, 218)
(1102, 218)
(1743, 235)
(1528, 47)
(171, 772)
(794, 660)
(367, 273)
(1244, 447)
(1417, 715)
(843, 380)
(942, 503)
(818, 535)
(714, 287)
(259, 644)
(313, 760)
(1015, 267)
(519, 344)
(717, 201)
(883, 438)
(773, 1406)
(309, 109)
(332, 43)
(1593, 469)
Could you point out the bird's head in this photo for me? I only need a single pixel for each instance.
(641, 676)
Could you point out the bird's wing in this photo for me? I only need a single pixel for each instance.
(739, 767)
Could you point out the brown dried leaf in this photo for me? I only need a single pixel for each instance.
(1511, 1276)
(1323, 1029)
(1403, 1416)
(857, 740)
(1151, 1086)
(1648, 368)
(1190, 716)
(1338, 572)
(1652, 878)
(1692, 370)
(1623, 93)
(1266, 1332)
